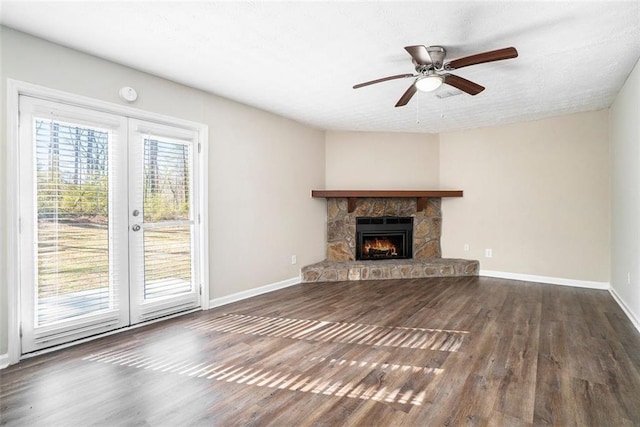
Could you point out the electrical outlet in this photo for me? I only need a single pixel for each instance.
(467, 247)
(488, 253)
(294, 259)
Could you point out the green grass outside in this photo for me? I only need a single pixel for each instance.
(74, 256)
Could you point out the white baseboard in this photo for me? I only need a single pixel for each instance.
(546, 279)
(238, 296)
(4, 360)
(624, 308)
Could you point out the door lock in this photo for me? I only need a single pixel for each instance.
(135, 212)
(135, 227)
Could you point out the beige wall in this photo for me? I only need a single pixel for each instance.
(261, 166)
(381, 161)
(262, 171)
(625, 143)
(536, 193)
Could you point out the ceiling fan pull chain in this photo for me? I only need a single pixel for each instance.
(418, 109)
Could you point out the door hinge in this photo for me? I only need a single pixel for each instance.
(199, 148)
(199, 220)
(20, 331)
(200, 288)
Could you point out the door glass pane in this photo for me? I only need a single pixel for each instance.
(73, 221)
(166, 181)
(168, 226)
(167, 257)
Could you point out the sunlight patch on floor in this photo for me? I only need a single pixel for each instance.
(339, 332)
(357, 388)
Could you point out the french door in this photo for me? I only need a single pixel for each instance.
(108, 222)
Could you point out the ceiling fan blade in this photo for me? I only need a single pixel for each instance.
(463, 84)
(404, 99)
(384, 79)
(419, 53)
(480, 58)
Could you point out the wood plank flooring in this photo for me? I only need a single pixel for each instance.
(424, 352)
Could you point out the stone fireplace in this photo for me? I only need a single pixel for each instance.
(407, 226)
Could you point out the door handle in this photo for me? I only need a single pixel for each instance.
(135, 227)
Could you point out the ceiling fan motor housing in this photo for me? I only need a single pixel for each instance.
(437, 54)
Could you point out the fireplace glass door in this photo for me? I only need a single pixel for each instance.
(379, 238)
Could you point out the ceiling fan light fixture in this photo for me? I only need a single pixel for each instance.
(429, 83)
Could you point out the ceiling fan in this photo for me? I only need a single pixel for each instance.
(432, 71)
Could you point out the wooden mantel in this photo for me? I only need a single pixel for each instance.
(353, 195)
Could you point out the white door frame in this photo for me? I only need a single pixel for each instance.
(16, 88)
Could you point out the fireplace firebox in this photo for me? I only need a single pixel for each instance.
(387, 237)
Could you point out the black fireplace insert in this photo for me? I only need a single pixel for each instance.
(386, 237)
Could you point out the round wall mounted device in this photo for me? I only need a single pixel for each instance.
(128, 94)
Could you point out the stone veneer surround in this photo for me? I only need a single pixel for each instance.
(341, 225)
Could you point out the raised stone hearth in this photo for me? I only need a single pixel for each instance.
(331, 271)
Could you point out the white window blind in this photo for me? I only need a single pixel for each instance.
(167, 235)
(72, 168)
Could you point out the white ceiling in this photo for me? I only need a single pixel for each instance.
(301, 59)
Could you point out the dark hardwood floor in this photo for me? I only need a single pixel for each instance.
(423, 352)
